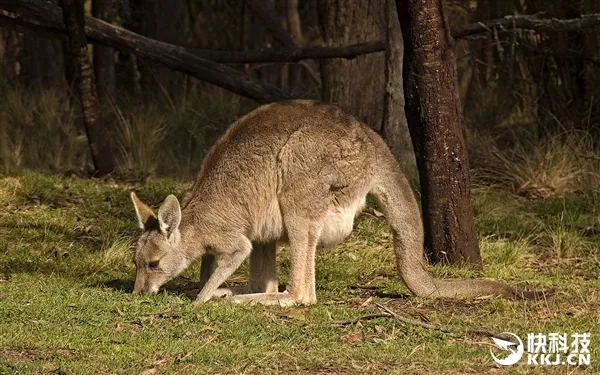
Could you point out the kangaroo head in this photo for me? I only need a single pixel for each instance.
(157, 257)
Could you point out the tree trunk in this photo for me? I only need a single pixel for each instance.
(435, 122)
(160, 20)
(356, 85)
(395, 128)
(41, 61)
(104, 57)
(563, 103)
(10, 43)
(102, 157)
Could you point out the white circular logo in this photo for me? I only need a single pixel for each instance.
(515, 350)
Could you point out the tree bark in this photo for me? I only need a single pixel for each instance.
(41, 62)
(435, 122)
(271, 21)
(98, 139)
(10, 44)
(104, 57)
(291, 55)
(356, 85)
(161, 20)
(395, 127)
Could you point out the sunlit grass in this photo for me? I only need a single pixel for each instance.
(66, 277)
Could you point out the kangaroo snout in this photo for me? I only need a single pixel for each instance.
(143, 286)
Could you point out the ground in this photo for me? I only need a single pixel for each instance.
(66, 305)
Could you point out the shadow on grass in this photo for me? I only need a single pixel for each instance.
(179, 287)
(118, 285)
(375, 291)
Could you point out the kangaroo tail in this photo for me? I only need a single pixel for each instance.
(396, 200)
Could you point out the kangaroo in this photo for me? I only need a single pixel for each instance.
(295, 171)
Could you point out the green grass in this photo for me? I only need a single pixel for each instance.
(66, 277)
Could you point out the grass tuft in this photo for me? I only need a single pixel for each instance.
(539, 168)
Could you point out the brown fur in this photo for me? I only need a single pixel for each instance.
(296, 171)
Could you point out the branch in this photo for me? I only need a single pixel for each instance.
(441, 328)
(175, 57)
(291, 55)
(49, 29)
(26, 26)
(531, 22)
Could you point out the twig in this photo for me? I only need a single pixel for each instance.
(531, 22)
(359, 318)
(442, 328)
(592, 157)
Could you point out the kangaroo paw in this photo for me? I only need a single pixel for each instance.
(271, 299)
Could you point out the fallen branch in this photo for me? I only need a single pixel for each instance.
(291, 55)
(175, 57)
(24, 26)
(531, 22)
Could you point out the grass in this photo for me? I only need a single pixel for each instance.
(161, 135)
(538, 168)
(66, 243)
(66, 277)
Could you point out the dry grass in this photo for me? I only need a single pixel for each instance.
(39, 131)
(164, 135)
(538, 168)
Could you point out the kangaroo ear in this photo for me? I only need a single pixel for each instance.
(169, 215)
(144, 213)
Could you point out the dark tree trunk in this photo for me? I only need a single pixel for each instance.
(160, 20)
(41, 61)
(395, 128)
(97, 135)
(356, 85)
(10, 43)
(129, 73)
(104, 57)
(563, 103)
(435, 122)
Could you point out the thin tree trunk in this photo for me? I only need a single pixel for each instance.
(435, 122)
(131, 68)
(295, 28)
(395, 127)
(104, 57)
(10, 43)
(102, 157)
(356, 85)
(160, 20)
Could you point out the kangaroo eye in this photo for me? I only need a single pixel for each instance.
(153, 264)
